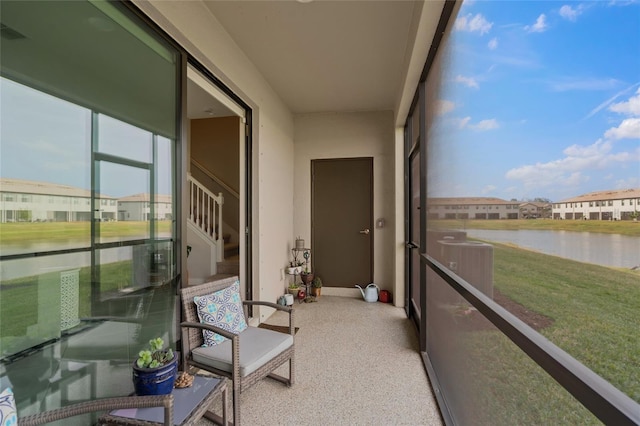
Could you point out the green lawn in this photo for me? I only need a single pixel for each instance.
(25, 232)
(626, 227)
(595, 312)
(19, 322)
(505, 387)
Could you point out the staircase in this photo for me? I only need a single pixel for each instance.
(231, 250)
(230, 266)
(205, 211)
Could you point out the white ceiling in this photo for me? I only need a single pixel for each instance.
(323, 55)
(201, 104)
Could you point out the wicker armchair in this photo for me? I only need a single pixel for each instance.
(104, 404)
(245, 358)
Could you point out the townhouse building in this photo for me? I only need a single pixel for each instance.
(600, 205)
(472, 208)
(32, 201)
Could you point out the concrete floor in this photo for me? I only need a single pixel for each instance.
(357, 363)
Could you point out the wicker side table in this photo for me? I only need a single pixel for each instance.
(190, 405)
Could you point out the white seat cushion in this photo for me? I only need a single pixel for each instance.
(257, 347)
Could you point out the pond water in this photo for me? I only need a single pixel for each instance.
(614, 250)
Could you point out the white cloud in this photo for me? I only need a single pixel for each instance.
(443, 106)
(467, 81)
(462, 122)
(632, 182)
(489, 189)
(577, 83)
(571, 14)
(512, 189)
(472, 24)
(598, 148)
(493, 43)
(485, 125)
(610, 100)
(628, 129)
(630, 107)
(571, 170)
(540, 26)
(481, 126)
(622, 2)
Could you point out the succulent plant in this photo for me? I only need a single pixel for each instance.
(155, 356)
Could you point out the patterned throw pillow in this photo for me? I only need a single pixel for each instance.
(8, 414)
(222, 309)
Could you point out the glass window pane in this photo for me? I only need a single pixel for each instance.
(126, 270)
(415, 198)
(165, 190)
(44, 168)
(129, 219)
(74, 319)
(416, 291)
(41, 298)
(92, 53)
(123, 140)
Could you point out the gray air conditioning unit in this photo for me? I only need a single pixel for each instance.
(472, 261)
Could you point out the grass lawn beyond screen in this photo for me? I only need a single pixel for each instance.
(594, 312)
(595, 309)
(624, 227)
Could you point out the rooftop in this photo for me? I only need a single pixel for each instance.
(605, 195)
(469, 201)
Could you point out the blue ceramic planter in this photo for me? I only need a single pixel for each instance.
(155, 381)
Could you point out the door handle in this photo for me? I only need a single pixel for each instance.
(411, 245)
(364, 231)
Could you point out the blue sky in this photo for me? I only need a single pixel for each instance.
(540, 99)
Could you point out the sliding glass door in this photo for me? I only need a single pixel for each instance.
(90, 112)
(413, 242)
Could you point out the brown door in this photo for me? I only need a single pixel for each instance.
(341, 221)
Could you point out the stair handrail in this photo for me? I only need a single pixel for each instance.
(205, 211)
(219, 181)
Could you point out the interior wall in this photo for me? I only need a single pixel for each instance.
(348, 135)
(193, 26)
(215, 143)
